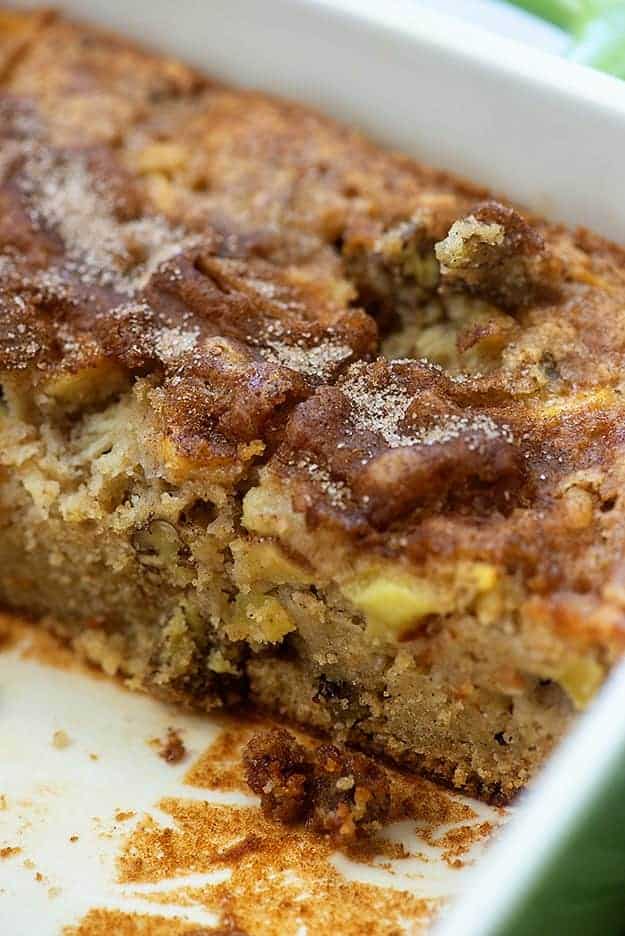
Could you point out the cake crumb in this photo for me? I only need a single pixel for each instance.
(333, 790)
(4, 803)
(61, 740)
(73, 838)
(9, 851)
(122, 815)
(172, 749)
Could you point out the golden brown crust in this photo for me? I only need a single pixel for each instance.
(92, 274)
(90, 85)
(18, 31)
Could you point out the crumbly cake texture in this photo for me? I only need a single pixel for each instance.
(332, 790)
(292, 419)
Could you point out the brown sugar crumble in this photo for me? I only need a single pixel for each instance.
(270, 867)
(333, 790)
(270, 864)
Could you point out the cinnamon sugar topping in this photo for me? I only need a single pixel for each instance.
(384, 410)
(65, 195)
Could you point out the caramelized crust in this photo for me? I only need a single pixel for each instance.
(400, 439)
(94, 276)
(90, 86)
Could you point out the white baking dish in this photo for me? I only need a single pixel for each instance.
(546, 133)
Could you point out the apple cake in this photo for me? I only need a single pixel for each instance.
(290, 419)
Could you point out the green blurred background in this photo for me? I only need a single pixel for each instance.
(596, 29)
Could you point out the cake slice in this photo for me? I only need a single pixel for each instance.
(290, 419)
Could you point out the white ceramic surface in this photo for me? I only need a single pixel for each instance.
(52, 794)
(499, 17)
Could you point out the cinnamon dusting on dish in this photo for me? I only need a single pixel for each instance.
(457, 842)
(103, 922)
(219, 767)
(270, 869)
